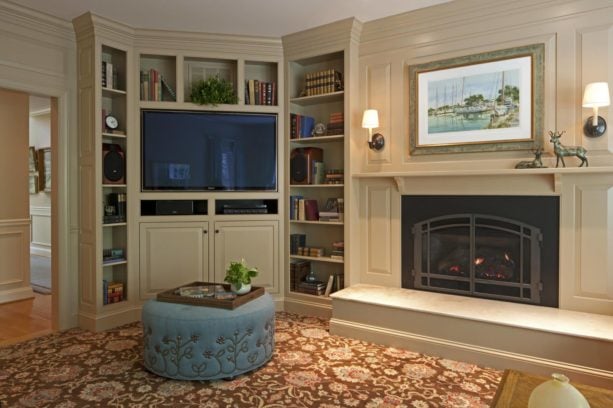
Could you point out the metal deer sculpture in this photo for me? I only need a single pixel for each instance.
(537, 163)
(561, 151)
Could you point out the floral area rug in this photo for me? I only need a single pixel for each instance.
(310, 368)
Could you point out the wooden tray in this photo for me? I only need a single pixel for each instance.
(171, 296)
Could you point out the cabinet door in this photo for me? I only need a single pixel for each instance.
(256, 242)
(172, 254)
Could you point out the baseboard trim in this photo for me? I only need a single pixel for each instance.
(467, 352)
(101, 322)
(13, 295)
(304, 307)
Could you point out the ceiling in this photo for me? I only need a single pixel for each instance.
(271, 18)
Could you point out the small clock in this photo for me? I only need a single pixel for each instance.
(111, 122)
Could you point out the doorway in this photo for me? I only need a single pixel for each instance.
(27, 308)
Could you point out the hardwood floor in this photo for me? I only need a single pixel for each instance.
(25, 319)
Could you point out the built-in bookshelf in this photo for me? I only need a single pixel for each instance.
(316, 188)
(170, 78)
(113, 135)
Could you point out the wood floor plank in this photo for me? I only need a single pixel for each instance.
(25, 319)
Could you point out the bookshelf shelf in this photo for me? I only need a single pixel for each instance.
(318, 99)
(113, 135)
(319, 139)
(114, 263)
(316, 185)
(317, 222)
(116, 224)
(114, 185)
(112, 92)
(317, 258)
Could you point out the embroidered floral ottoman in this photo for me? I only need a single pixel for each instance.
(204, 343)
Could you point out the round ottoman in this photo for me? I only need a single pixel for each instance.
(205, 343)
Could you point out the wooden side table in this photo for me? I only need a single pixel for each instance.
(515, 389)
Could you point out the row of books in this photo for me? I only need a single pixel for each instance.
(109, 76)
(112, 292)
(296, 241)
(260, 92)
(310, 251)
(323, 82)
(153, 86)
(307, 209)
(301, 126)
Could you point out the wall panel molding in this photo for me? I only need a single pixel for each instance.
(15, 260)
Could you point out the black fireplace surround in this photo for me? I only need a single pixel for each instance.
(493, 247)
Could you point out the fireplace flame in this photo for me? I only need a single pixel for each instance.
(479, 260)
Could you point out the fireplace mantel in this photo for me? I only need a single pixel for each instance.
(548, 180)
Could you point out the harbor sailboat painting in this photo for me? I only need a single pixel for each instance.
(484, 100)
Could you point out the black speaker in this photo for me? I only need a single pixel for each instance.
(174, 207)
(113, 164)
(302, 164)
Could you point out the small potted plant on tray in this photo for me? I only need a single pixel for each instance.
(239, 275)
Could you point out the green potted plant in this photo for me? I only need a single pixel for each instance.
(239, 275)
(212, 91)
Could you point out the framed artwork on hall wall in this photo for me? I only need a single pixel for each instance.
(32, 160)
(44, 169)
(491, 101)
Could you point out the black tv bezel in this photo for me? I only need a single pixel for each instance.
(207, 189)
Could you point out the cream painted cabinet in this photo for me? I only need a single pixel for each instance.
(172, 254)
(256, 242)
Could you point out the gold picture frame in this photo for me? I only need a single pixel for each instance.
(459, 105)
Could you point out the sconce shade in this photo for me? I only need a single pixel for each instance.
(596, 94)
(370, 120)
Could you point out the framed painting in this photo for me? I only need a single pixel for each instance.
(32, 160)
(483, 102)
(44, 168)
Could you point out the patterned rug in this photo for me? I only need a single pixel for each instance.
(310, 368)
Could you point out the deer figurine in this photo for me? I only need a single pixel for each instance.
(537, 163)
(560, 150)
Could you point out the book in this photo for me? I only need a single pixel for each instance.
(329, 285)
(296, 241)
(311, 212)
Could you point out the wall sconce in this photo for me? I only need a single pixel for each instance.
(596, 95)
(370, 120)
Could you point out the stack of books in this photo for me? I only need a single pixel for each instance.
(260, 92)
(317, 288)
(334, 176)
(323, 82)
(298, 269)
(301, 126)
(338, 250)
(112, 292)
(336, 124)
(153, 85)
(333, 212)
(296, 241)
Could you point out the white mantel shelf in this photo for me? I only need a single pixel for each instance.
(488, 172)
(550, 176)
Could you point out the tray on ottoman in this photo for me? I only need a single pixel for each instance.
(204, 294)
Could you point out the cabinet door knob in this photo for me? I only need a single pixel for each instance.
(205, 231)
(216, 231)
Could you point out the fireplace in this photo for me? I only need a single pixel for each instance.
(502, 247)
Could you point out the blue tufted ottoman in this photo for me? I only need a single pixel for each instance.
(204, 343)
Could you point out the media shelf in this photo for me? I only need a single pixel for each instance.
(317, 185)
(317, 258)
(317, 222)
(246, 206)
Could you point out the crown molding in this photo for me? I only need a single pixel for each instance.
(54, 29)
(223, 43)
(329, 37)
(89, 24)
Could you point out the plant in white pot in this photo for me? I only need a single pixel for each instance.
(239, 275)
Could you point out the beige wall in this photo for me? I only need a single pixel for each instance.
(14, 138)
(578, 39)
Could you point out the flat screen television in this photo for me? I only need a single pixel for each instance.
(201, 151)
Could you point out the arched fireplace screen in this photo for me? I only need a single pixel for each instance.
(478, 255)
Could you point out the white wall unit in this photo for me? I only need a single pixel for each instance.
(172, 254)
